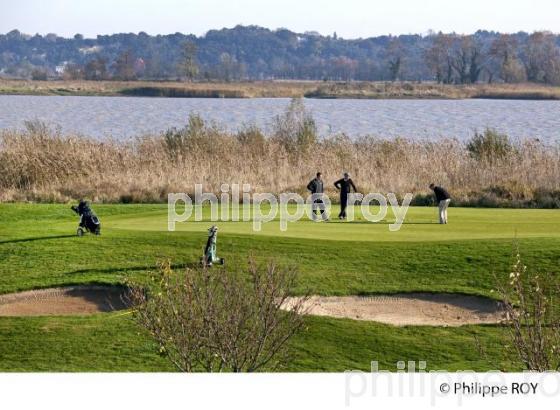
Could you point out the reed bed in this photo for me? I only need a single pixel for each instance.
(285, 89)
(43, 165)
(430, 90)
(244, 89)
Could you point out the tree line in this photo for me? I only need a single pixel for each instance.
(256, 53)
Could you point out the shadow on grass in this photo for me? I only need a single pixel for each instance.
(191, 265)
(38, 238)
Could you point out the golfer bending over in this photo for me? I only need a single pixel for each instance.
(443, 198)
(316, 187)
(344, 185)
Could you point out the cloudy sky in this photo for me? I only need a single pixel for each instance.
(349, 18)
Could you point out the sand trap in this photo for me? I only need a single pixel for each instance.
(409, 309)
(74, 300)
(399, 310)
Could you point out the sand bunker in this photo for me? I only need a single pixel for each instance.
(74, 300)
(399, 309)
(409, 309)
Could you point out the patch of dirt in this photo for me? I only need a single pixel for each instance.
(74, 300)
(411, 309)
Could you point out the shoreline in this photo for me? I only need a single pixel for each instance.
(281, 89)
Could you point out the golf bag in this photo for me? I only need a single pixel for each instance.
(88, 220)
(210, 257)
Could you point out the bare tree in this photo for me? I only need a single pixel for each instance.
(541, 58)
(533, 57)
(96, 69)
(227, 62)
(188, 66)
(230, 68)
(438, 58)
(468, 59)
(73, 71)
(39, 74)
(504, 52)
(552, 61)
(460, 59)
(217, 320)
(124, 66)
(344, 68)
(532, 304)
(395, 58)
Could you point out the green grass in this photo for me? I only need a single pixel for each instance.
(38, 249)
(109, 342)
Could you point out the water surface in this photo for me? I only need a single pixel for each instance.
(123, 117)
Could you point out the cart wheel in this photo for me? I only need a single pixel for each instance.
(80, 232)
(222, 261)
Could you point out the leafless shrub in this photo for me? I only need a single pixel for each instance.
(216, 320)
(295, 129)
(490, 146)
(532, 304)
(195, 137)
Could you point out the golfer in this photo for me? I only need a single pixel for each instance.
(315, 186)
(443, 198)
(344, 185)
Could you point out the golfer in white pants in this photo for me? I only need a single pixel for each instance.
(443, 199)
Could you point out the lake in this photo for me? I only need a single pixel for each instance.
(124, 117)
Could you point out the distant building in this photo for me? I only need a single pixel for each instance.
(139, 66)
(59, 69)
(90, 50)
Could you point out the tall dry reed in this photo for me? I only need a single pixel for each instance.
(44, 165)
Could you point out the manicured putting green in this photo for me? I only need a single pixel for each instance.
(420, 224)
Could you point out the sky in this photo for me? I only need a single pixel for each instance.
(348, 18)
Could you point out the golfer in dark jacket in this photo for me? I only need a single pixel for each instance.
(443, 198)
(344, 185)
(316, 187)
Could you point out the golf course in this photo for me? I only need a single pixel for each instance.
(39, 249)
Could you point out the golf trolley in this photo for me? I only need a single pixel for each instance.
(88, 220)
(209, 257)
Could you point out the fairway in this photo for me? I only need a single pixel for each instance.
(39, 249)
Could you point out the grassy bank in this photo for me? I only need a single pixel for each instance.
(379, 90)
(38, 248)
(284, 89)
(257, 89)
(491, 171)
